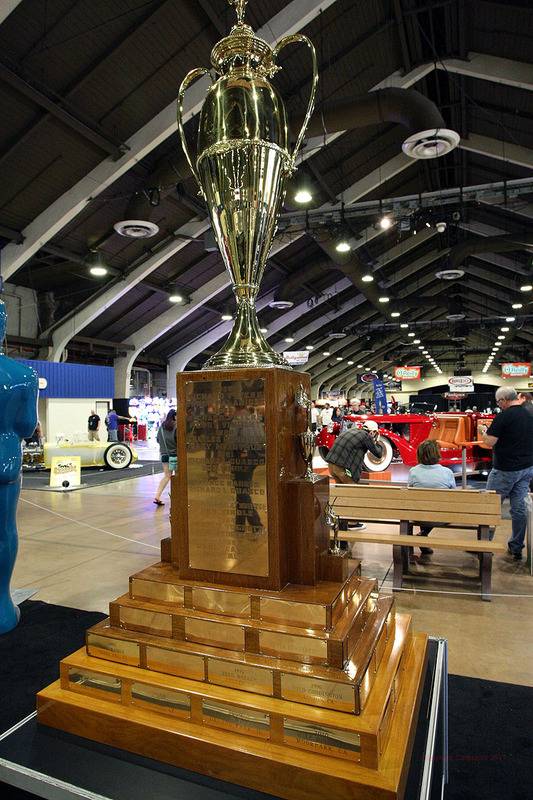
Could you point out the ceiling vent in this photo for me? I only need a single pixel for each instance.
(136, 228)
(281, 305)
(450, 274)
(431, 143)
(336, 335)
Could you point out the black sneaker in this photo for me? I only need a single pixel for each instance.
(512, 554)
(356, 526)
(426, 551)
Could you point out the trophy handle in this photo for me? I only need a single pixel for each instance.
(188, 79)
(299, 37)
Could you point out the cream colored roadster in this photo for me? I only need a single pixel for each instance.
(114, 455)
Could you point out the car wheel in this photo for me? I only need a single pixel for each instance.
(323, 451)
(118, 456)
(374, 464)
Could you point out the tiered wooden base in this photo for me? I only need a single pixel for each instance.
(304, 693)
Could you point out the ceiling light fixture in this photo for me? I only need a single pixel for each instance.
(97, 264)
(326, 353)
(384, 299)
(510, 319)
(303, 196)
(385, 223)
(263, 330)
(367, 278)
(289, 339)
(175, 297)
(343, 246)
(416, 341)
(404, 325)
(517, 305)
(504, 330)
(226, 316)
(309, 347)
(527, 287)
(395, 313)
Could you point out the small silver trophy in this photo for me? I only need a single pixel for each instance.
(307, 439)
(333, 521)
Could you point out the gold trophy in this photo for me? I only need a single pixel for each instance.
(307, 439)
(242, 166)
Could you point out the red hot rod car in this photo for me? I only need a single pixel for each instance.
(400, 435)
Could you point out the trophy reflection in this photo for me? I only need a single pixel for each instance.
(245, 445)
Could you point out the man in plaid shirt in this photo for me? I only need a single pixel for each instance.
(345, 458)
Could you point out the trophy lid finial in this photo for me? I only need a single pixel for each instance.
(240, 8)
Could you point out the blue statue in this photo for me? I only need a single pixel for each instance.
(18, 418)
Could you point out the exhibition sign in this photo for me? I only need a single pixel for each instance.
(407, 373)
(461, 383)
(65, 471)
(517, 369)
(296, 356)
(380, 397)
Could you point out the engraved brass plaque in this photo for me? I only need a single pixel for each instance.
(297, 648)
(86, 678)
(155, 590)
(149, 621)
(322, 739)
(315, 692)
(226, 476)
(160, 698)
(235, 718)
(216, 634)
(185, 665)
(113, 649)
(240, 676)
(234, 604)
(308, 615)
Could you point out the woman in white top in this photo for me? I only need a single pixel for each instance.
(429, 474)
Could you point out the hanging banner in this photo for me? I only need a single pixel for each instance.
(380, 397)
(296, 356)
(517, 369)
(461, 383)
(407, 373)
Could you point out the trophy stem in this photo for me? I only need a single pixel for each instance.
(246, 345)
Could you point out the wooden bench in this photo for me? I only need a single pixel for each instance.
(450, 508)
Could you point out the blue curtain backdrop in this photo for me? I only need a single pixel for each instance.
(74, 380)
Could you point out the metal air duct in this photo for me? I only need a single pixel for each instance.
(428, 135)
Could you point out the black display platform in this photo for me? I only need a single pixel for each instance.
(56, 765)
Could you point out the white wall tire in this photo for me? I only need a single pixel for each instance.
(118, 456)
(373, 464)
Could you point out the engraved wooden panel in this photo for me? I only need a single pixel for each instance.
(253, 558)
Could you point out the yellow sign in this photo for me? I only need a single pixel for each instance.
(66, 471)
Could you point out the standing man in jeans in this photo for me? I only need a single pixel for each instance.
(511, 437)
(345, 458)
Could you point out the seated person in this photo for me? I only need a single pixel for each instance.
(429, 474)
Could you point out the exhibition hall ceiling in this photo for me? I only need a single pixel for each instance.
(88, 139)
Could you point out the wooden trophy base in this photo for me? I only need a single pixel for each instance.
(309, 691)
(250, 653)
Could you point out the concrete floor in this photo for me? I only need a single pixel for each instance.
(79, 549)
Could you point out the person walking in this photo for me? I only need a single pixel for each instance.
(166, 439)
(429, 474)
(345, 458)
(93, 424)
(511, 437)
